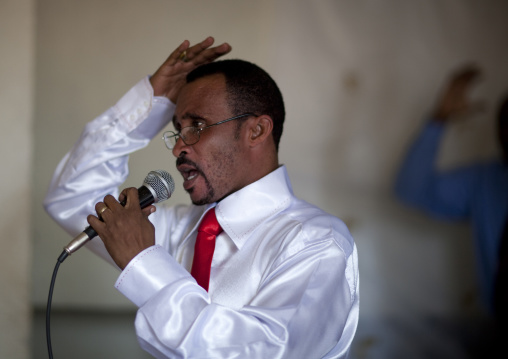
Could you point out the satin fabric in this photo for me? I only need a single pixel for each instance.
(284, 279)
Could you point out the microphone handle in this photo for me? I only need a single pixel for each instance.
(145, 199)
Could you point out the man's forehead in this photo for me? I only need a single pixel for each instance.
(202, 95)
(215, 81)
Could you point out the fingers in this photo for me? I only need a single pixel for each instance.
(127, 194)
(202, 53)
(212, 54)
(148, 210)
(177, 53)
(95, 223)
(463, 79)
(170, 76)
(124, 229)
(134, 197)
(129, 198)
(454, 101)
(198, 54)
(467, 73)
(100, 208)
(184, 52)
(190, 53)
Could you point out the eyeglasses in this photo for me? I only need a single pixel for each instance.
(190, 134)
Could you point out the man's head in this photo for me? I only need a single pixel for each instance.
(233, 154)
(250, 90)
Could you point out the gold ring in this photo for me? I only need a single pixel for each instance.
(183, 56)
(102, 210)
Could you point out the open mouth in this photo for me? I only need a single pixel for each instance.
(189, 175)
(189, 171)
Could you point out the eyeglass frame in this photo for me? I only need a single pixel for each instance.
(166, 136)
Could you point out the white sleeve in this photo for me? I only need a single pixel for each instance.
(98, 163)
(306, 299)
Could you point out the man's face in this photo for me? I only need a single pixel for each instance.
(211, 168)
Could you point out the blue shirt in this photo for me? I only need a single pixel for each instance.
(477, 193)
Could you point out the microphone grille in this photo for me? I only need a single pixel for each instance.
(162, 184)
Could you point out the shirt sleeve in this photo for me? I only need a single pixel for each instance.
(303, 308)
(98, 163)
(419, 183)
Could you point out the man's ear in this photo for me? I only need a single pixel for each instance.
(260, 128)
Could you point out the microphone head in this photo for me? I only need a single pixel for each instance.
(161, 184)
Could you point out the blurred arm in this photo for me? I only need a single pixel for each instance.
(420, 184)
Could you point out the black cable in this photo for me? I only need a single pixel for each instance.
(48, 308)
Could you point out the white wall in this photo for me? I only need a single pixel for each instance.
(16, 144)
(358, 79)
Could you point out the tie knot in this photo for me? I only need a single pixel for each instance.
(209, 223)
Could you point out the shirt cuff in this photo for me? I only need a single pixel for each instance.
(138, 103)
(147, 273)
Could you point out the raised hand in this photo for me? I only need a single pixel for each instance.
(455, 100)
(170, 77)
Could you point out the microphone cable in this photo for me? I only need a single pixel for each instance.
(48, 307)
(157, 187)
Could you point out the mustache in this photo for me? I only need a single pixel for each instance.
(184, 161)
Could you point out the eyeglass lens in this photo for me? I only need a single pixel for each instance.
(189, 135)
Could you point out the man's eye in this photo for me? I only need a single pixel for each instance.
(198, 124)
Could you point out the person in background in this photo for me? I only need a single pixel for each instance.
(477, 192)
(278, 277)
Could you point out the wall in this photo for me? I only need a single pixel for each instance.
(359, 77)
(17, 22)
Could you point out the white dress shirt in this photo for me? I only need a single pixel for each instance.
(284, 277)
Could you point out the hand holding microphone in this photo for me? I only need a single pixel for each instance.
(125, 230)
(124, 226)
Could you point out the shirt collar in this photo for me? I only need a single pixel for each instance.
(241, 212)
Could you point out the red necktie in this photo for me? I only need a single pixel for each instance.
(208, 229)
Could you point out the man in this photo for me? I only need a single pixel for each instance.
(283, 281)
(477, 192)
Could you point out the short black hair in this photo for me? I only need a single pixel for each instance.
(249, 88)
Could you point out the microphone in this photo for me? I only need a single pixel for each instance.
(157, 187)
